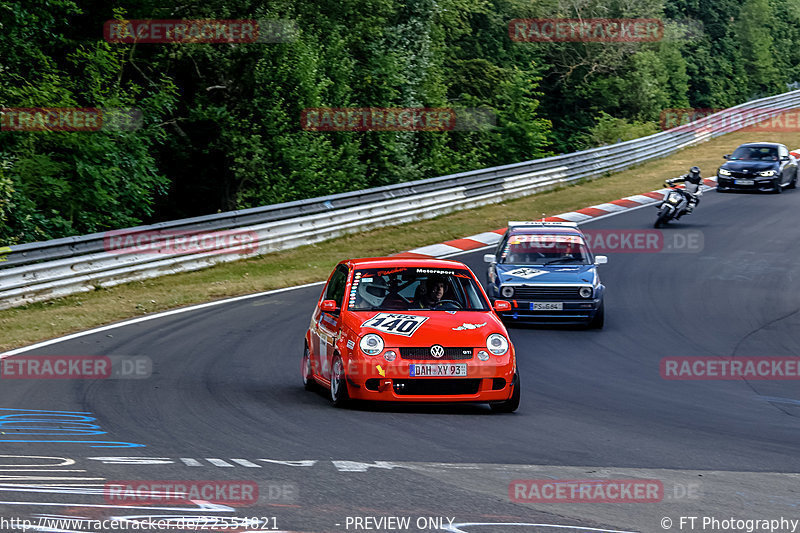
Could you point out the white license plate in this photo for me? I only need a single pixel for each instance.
(438, 370)
(743, 182)
(547, 306)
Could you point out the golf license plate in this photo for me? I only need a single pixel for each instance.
(439, 371)
(547, 306)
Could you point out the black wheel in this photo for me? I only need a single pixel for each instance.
(793, 183)
(778, 189)
(510, 405)
(599, 318)
(305, 370)
(339, 396)
(663, 216)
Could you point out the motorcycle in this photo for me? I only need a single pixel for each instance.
(674, 205)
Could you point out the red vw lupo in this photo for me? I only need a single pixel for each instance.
(410, 330)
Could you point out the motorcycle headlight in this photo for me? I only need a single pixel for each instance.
(767, 173)
(723, 172)
(507, 292)
(496, 344)
(371, 344)
(586, 292)
(674, 198)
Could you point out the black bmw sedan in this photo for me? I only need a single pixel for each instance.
(758, 167)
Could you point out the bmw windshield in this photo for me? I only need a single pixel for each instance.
(542, 250)
(406, 289)
(754, 153)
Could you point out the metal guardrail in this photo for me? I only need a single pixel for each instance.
(42, 270)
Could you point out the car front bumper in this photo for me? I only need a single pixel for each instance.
(759, 184)
(379, 380)
(572, 312)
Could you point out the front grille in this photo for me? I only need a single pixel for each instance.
(544, 292)
(435, 387)
(424, 353)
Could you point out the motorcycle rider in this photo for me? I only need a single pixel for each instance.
(693, 182)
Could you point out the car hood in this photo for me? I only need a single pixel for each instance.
(459, 328)
(535, 275)
(755, 166)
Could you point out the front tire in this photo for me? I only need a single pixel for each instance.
(338, 390)
(599, 318)
(778, 189)
(306, 370)
(663, 216)
(793, 183)
(512, 404)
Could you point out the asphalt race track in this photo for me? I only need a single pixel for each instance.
(226, 386)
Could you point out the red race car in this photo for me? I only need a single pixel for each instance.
(412, 330)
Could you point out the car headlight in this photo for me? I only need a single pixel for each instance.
(767, 173)
(390, 355)
(371, 344)
(723, 172)
(507, 292)
(497, 344)
(483, 356)
(586, 292)
(674, 198)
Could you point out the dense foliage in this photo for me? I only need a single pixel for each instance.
(221, 122)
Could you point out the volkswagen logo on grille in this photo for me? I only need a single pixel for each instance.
(437, 351)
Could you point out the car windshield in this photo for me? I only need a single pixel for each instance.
(405, 289)
(544, 250)
(755, 153)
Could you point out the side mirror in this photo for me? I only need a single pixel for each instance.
(329, 306)
(502, 305)
(600, 260)
(785, 158)
(489, 258)
(726, 156)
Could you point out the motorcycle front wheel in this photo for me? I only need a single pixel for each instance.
(663, 217)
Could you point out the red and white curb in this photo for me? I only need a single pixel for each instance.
(490, 238)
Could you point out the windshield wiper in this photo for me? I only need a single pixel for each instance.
(560, 259)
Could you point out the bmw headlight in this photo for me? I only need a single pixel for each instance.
(674, 198)
(497, 344)
(767, 173)
(507, 292)
(586, 292)
(371, 344)
(723, 172)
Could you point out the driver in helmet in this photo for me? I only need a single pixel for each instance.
(693, 182)
(371, 294)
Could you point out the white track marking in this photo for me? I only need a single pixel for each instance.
(191, 462)
(219, 462)
(245, 462)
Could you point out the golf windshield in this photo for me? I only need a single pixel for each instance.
(538, 249)
(409, 288)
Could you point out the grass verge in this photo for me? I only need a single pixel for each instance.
(35, 322)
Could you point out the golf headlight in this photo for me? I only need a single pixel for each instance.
(507, 292)
(767, 173)
(371, 344)
(496, 344)
(723, 172)
(674, 198)
(585, 292)
(483, 356)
